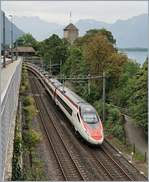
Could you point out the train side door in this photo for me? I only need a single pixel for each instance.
(55, 96)
(76, 120)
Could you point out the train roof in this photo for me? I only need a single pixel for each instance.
(76, 98)
(55, 82)
(70, 94)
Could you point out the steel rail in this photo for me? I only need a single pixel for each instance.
(97, 159)
(123, 171)
(96, 163)
(48, 136)
(103, 150)
(59, 135)
(56, 129)
(127, 164)
(107, 171)
(101, 164)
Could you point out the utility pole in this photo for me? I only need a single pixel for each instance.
(89, 85)
(16, 50)
(11, 37)
(50, 68)
(103, 97)
(60, 66)
(4, 42)
(89, 78)
(70, 17)
(63, 82)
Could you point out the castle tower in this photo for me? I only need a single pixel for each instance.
(71, 32)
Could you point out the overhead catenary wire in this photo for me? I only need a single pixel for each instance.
(80, 79)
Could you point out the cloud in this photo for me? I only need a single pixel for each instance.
(58, 11)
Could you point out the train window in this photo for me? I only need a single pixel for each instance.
(95, 125)
(78, 117)
(68, 109)
(90, 117)
(50, 89)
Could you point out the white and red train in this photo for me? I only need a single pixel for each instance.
(81, 114)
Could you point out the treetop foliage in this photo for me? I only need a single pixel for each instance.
(27, 40)
(53, 50)
(95, 32)
(103, 32)
(95, 53)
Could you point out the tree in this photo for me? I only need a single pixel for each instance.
(103, 32)
(27, 40)
(138, 100)
(122, 91)
(95, 32)
(101, 56)
(75, 64)
(94, 54)
(54, 50)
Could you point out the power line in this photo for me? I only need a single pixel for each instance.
(89, 77)
(81, 77)
(4, 42)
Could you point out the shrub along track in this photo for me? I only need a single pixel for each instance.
(76, 160)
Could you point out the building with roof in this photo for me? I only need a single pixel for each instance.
(24, 51)
(71, 33)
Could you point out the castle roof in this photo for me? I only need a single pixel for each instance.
(70, 27)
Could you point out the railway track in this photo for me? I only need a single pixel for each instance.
(76, 160)
(95, 170)
(67, 164)
(115, 169)
(133, 172)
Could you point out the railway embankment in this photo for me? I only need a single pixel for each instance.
(135, 135)
(26, 164)
(52, 151)
(133, 144)
(61, 125)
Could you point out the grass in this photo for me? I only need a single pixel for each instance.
(127, 149)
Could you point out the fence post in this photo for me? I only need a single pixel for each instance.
(134, 148)
(145, 157)
(103, 99)
(89, 90)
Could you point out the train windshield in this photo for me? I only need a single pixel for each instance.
(90, 117)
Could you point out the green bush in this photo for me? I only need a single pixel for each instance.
(28, 100)
(31, 139)
(17, 173)
(113, 120)
(37, 173)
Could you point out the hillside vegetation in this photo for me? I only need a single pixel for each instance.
(93, 54)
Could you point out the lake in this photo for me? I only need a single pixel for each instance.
(139, 56)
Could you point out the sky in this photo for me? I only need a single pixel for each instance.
(59, 11)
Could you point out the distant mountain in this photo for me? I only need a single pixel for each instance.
(128, 33)
(87, 24)
(17, 32)
(132, 32)
(40, 29)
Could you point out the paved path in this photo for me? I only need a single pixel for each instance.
(9, 81)
(135, 135)
(6, 73)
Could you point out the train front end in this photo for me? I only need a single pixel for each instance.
(92, 125)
